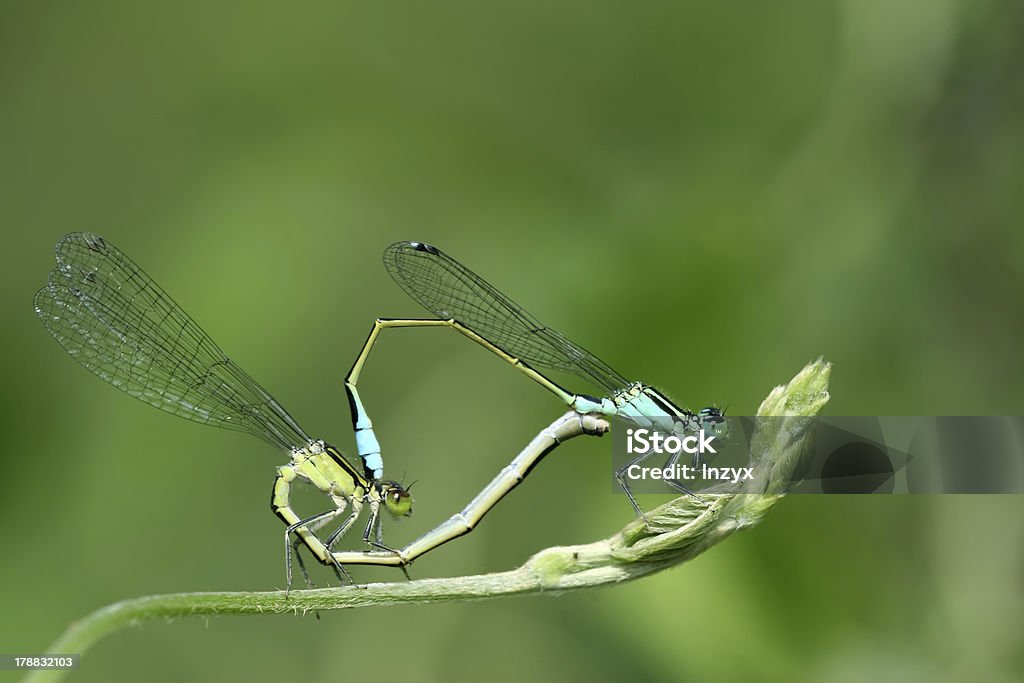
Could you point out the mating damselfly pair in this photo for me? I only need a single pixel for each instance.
(116, 321)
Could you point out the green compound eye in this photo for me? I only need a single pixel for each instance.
(397, 500)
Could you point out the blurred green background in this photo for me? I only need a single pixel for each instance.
(708, 196)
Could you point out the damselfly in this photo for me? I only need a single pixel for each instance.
(114, 320)
(465, 302)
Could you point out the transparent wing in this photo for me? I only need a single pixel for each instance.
(448, 289)
(113, 319)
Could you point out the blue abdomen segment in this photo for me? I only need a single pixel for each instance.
(369, 451)
(366, 441)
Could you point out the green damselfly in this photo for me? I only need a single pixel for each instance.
(117, 322)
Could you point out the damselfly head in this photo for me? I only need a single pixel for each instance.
(712, 421)
(397, 499)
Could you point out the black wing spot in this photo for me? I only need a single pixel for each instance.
(96, 243)
(423, 246)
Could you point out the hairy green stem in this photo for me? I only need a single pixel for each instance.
(675, 532)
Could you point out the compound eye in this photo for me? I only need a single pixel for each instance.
(713, 421)
(398, 501)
